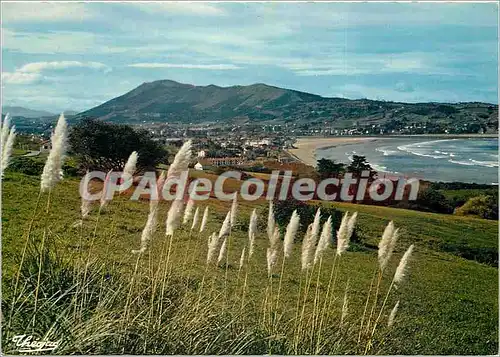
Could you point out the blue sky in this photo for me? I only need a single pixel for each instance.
(59, 56)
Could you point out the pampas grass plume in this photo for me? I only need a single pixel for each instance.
(226, 226)
(174, 216)
(52, 170)
(242, 258)
(234, 210)
(342, 234)
(7, 149)
(392, 316)
(307, 249)
(324, 240)
(5, 131)
(291, 231)
(130, 166)
(252, 232)
(204, 220)
(181, 160)
(222, 251)
(270, 221)
(213, 242)
(188, 212)
(196, 217)
(272, 258)
(386, 245)
(148, 231)
(401, 269)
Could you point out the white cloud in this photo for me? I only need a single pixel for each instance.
(20, 78)
(44, 11)
(184, 7)
(41, 66)
(186, 66)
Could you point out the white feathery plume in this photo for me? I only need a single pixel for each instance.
(226, 226)
(316, 227)
(160, 183)
(392, 316)
(52, 171)
(130, 166)
(307, 248)
(270, 221)
(324, 240)
(350, 226)
(181, 160)
(291, 231)
(242, 258)
(5, 131)
(105, 187)
(213, 243)
(386, 245)
(272, 258)
(174, 216)
(188, 212)
(204, 220)
(234, 210)
(195, 218)
(148, 231)
(401, 269)
(7, 150)
(223, 250)
(342, 234)
(85, 207)
(252, 232)
(275, 238)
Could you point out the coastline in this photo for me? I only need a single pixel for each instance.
(305, 147)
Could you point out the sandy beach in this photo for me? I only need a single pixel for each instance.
(306, 147)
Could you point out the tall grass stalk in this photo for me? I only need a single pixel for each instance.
(385, 249)
(396, 281)
(291, 231)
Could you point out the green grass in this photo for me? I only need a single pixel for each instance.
(449, 303)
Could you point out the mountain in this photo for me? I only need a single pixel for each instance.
(25, 112)
(170, 101)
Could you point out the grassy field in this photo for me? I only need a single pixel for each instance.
(448, 304)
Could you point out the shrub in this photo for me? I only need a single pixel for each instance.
(26, 166)
(481, 206)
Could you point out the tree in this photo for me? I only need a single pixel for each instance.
(328, 168)
(98, 145)
(360, 164)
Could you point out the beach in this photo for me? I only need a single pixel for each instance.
(306, 147)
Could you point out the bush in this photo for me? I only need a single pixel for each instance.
(283, 210)
(26, 165)
(481, 206)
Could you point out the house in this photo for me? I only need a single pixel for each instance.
(198, 167)
(45, 146)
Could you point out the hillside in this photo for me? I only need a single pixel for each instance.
(170, 101)
(444, 295)
(25, 112)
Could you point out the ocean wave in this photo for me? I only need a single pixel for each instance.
(386, 152)
(485, 163)
(466, 163)
(423, 149)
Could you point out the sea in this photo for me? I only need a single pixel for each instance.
(472, 160)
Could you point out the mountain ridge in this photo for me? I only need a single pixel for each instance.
(170, 101)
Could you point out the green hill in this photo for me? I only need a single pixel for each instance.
(166, 100)
(448, 304)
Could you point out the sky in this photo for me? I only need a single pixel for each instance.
(74, 56)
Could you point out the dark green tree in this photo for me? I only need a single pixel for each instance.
(98, 145)
(360, 164)
(329, 168)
